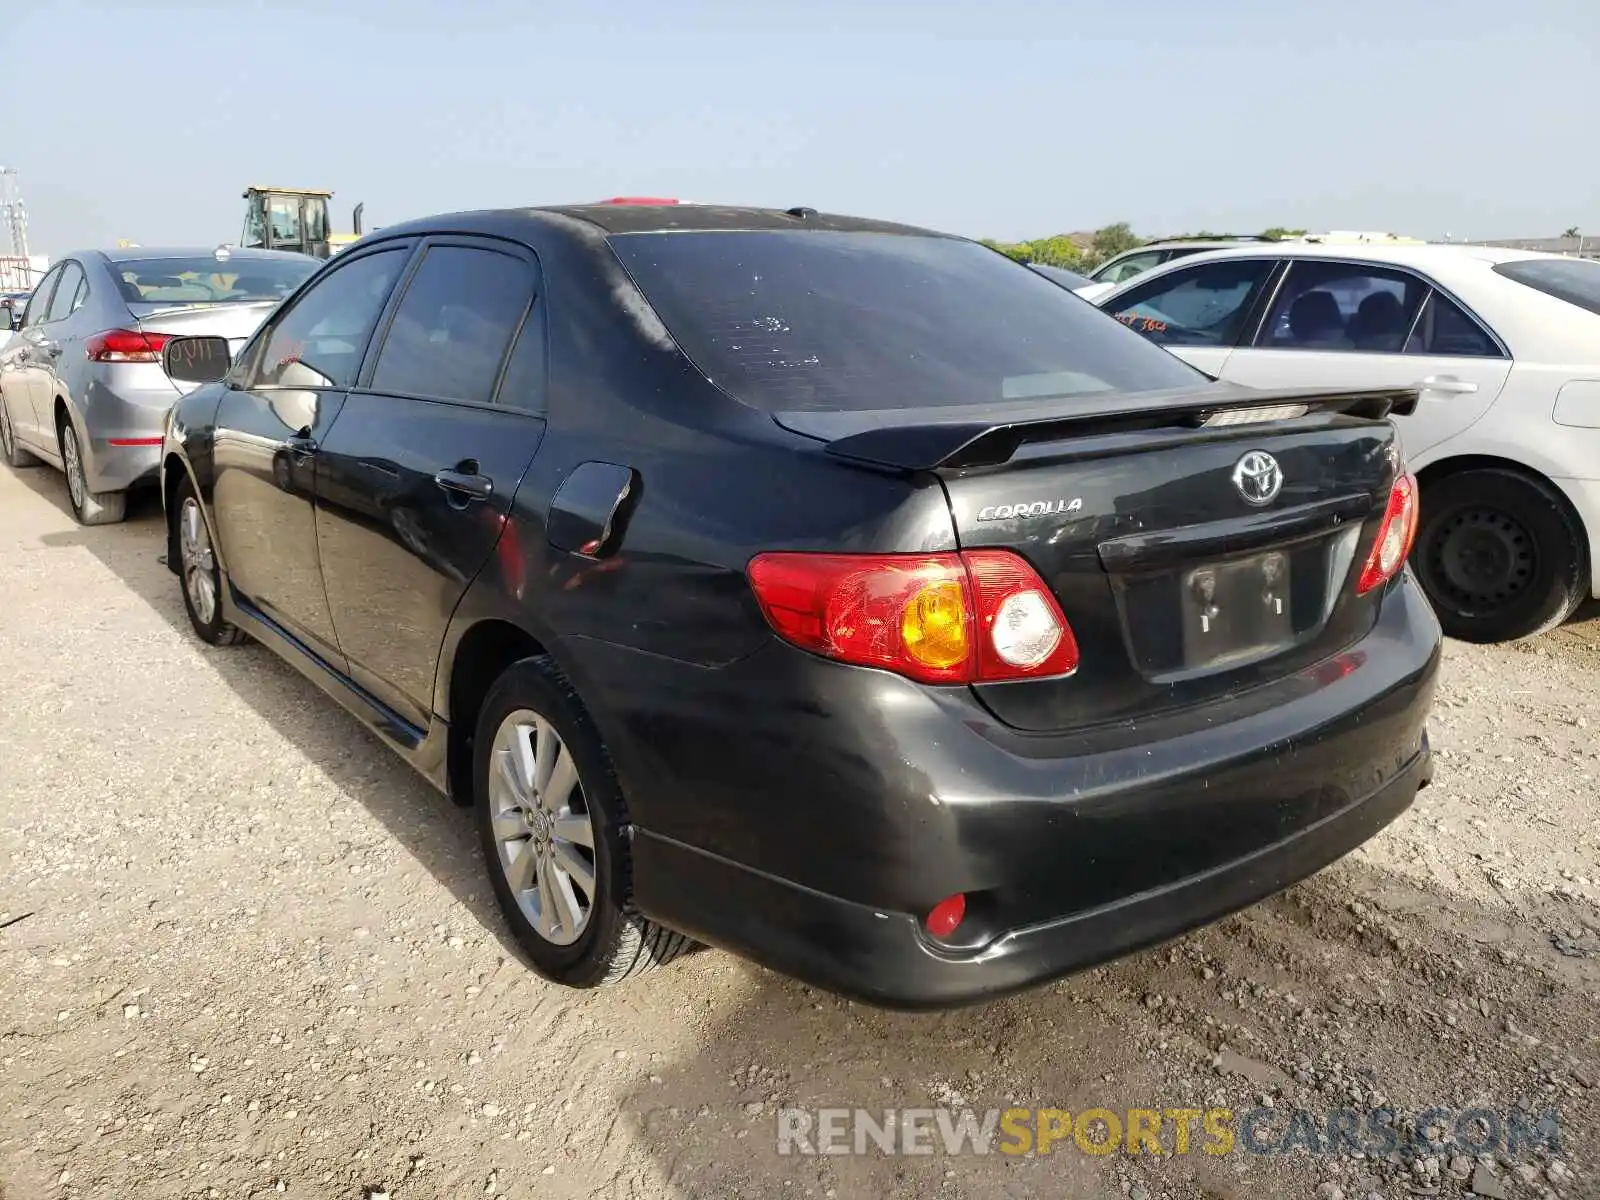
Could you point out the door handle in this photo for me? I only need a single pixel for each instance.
(301, 444)
(469, 484)
(1449, 385)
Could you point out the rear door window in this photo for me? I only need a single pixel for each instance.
(1201, 305)
(454, 325)
(1445, 329)
(821, 320)
(523, 385)
(1358, 307)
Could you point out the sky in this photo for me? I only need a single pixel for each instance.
(1002, 118)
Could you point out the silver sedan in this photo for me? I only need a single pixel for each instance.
(81, 382)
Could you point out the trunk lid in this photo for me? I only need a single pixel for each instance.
(232, 321)
(236, 322)
(1199, 544)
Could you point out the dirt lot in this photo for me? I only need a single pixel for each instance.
(244, 952)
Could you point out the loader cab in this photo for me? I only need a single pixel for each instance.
(287, 219)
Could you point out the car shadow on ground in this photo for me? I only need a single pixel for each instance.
(1355, 990)
(1375, 983)
(437, 833)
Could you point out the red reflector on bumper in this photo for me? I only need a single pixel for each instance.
(946, 915)
(155, 441)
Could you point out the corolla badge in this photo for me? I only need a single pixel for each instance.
(1036, 508)
(1258, 478)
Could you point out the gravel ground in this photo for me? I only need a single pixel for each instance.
(246, 953)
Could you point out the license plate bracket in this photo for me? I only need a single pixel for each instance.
(1236, 610)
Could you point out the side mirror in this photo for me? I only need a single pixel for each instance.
(14, 319)
(196, 359)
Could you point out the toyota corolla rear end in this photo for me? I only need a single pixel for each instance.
(1121, 650)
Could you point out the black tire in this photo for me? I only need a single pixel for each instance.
(15, 456)
(1499, 555)
(613, 941)
(90, 508)
(207, 620)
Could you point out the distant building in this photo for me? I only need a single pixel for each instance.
(1585, 246)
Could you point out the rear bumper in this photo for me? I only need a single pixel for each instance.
(808, 815)
(124, 418)
(885, 958)
(116, 467)
(1584, 496)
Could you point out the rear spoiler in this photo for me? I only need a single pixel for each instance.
(987, 434)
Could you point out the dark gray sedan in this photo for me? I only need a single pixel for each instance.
(81, 382)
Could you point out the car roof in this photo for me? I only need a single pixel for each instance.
(668, 218)
(1222, 240)
(1416, 254)
(1225, 239)
(604, 220)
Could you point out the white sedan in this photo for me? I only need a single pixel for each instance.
(1505, 347)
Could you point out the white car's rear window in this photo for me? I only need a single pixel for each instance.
(1575, 280)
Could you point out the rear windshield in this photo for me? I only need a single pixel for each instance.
(1575, 280)
(211, 280)
(819, 321)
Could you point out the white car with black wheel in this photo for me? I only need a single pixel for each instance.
(1504, 346)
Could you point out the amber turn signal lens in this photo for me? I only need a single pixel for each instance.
(934, 626)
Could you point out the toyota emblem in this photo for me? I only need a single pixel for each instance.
(1258, 478)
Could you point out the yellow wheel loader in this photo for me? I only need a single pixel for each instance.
(294, 219)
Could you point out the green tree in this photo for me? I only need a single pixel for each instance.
(1062, 250)
(1278, 233)
(1572, 232)
(1110, 241)
(1057, 251)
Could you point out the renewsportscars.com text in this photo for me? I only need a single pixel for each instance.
(1169, 1131)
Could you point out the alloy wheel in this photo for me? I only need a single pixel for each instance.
(76, 484)
(199, 564)
(542, 829)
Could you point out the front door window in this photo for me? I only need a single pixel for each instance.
(1202, 305)
(319, 342)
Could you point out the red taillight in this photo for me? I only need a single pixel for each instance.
(1395, 535)
(980, 616)
(639, 200)
(126, 345)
